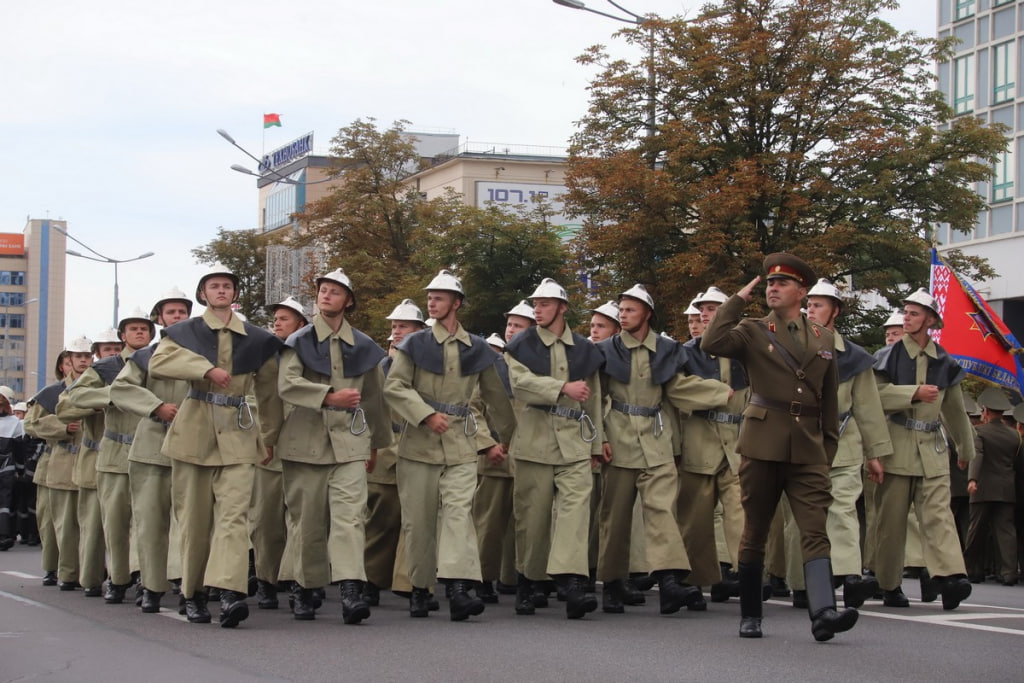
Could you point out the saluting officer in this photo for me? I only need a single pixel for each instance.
(788, 437)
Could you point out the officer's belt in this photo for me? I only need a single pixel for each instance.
(215, 398)
(561, 411)
(126, 439)
(396, 428)
(916, 425)
(448, 408)
(641, 411)
(794, 408)
(90, 444)
(718, 416)
(70, 446)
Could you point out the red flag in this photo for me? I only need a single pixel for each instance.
(270, 120)
(972, 333)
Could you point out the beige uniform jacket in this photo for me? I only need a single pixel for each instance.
(213, 435)
(779, 435)
(316, 435)
(708, 445)
(90, 392)
(633, 437)
(89, 436)
(918, 453)
(865, 434)
(408, 385)
(552, 439)
(138, 392)
(42, 424)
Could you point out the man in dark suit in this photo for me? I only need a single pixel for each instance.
(789, 434)
(990, 482)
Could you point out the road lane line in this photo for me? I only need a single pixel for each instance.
(26, 601)
(21, 575)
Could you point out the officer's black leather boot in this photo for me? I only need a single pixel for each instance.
(751, 582)
(462, 605)
(524, 596)
(673, 593)
(233, 608)
(353, 608)
(195, 609)
(826, 620)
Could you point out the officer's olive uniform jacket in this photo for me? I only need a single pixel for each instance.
(210, 435)
(632, 437)
(552, 439)
(865, 434)
(57, 465)
(777, 435)
(312, 433)
(408, 384)
(706, 444)
(136, 391)
(918, 453)
(89, 436)
(996, 447)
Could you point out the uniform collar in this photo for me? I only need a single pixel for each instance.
(324, 331)
(840, 344)
(650, 342)
(441, 334)
(548, 337)
(913, 350)
(234, 322)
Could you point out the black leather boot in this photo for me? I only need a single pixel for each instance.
(266, 595)
(371, 594)
(826, 620)
(50, 578)
(751, 602)
(611, 597)
(253, 581)
(578, 601)
(462, 605)
(302, 602)
(632, 595)
(418, 600)
(195, 609)
(857, 589)
(524, 596)
(799, 598)
(954, 590)
(353, 608)
(779, 587)
(930, 587)
(674, 593)
(642, 580)
(728, 587)
(150, 601)
(114, 594)
(233, 608)
(485, 591)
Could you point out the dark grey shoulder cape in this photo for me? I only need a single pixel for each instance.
(428, 354)
(583, 357)
(107, 368)
(894, 362)
(703, 364)
(668, 359)
(356, 359)
(48, 395)
(250, 350)
(852, 361)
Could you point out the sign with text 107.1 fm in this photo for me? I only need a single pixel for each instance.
(525, 194)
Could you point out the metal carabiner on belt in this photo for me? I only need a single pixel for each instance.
(465, 424)
(659, 425)
(245, 419)
(940, 440)
(587, 425)
(358, 417)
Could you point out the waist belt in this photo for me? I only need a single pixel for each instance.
(126, 439)
(458, 411)
(719, 416)
(916, 425)
(642, 411)
(358, 424)
(794, 408)
(69, 446)
(215, 398)
(156, 419)
(588, 432)
(90, 444)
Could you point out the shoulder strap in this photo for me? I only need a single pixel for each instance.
(786, 356)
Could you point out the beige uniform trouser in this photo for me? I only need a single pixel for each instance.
(267, 528)
(699, 497)
(492, 517)
(940, 543)
(657, 489)
(212, 505)
(47, 535)
(159, 553)
(383, 530)
(64, 509)
(91, 545)
(116, 506)
(594, 537)
(438, 545)
(545, 548)
(327, 508)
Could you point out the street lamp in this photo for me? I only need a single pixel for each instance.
(100, 258)
(238, 168)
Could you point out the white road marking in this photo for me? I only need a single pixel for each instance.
(172, 614)
(26, 601)
(22, 575)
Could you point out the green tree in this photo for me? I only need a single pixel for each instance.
(244, 252)
(809, 126)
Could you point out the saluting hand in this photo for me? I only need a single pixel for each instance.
(219, 377)
(748, 291)
(577, 391)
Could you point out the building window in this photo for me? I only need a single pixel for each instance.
(964, 9)
(12, 277)
(963, 84)
(281, 204)
(1002, 182)
(1004, 73)
(997, 3)
(12, 298)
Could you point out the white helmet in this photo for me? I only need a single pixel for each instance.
(692, 308)
(523, 309)
(7, 392)
(923, 298)
(137, 315)
(609, 309)
(825, 288)
(108, 336)
(639, 292)
(666, 335)
(338, 276)
(21, 405)
(894, 320)
(495, 340)
(549, 289)
(430, 322)
(216, 270)
(79, 345)
(444, 281)
(407, 310)
(172, 294)
(713, 296)
(292, 304)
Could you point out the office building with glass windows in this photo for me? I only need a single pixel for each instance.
(981, 80)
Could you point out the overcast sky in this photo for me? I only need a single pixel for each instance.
(112, 106)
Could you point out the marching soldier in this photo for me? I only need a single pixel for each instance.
(212, 443)
(433, 377)
(694, 319)
(788, 437)
(919, 383)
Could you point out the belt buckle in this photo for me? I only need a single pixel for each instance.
(712, 416)
(795, 408)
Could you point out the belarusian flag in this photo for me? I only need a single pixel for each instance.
(271, 120)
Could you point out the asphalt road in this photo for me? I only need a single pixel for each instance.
(48, 635)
